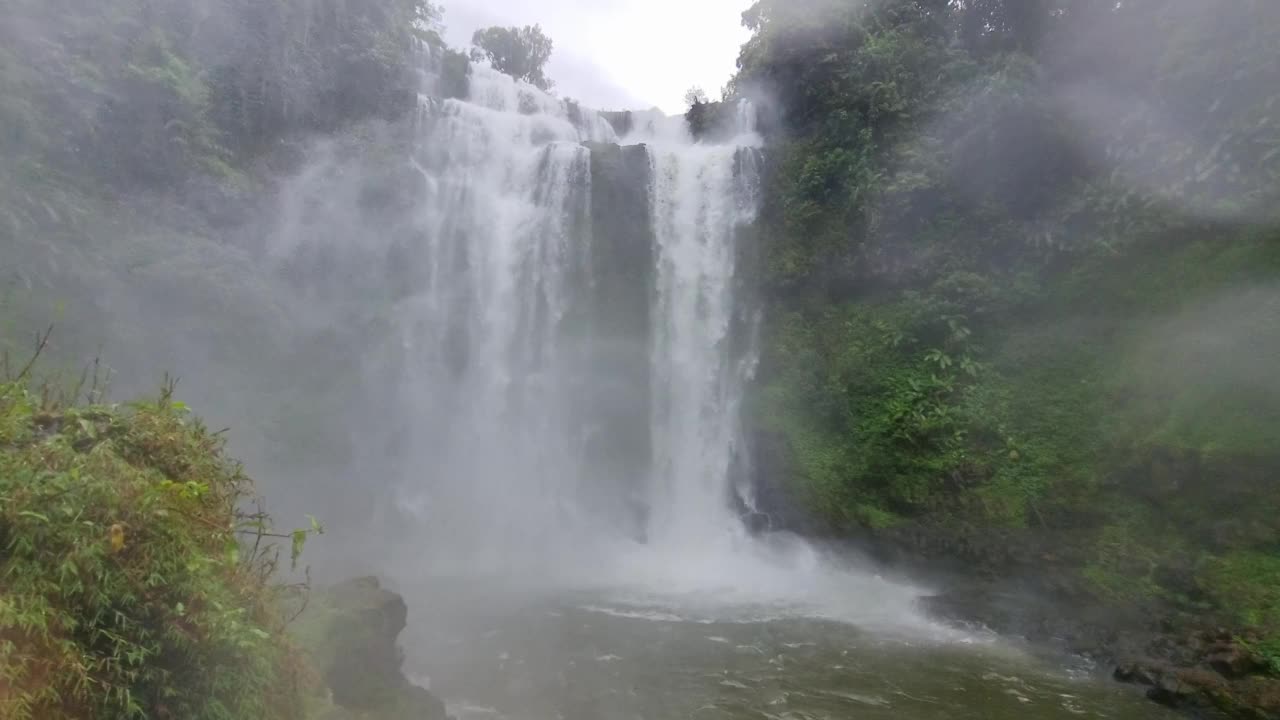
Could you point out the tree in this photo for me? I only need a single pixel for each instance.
(695, 96)
(703, 116)
(518, 52)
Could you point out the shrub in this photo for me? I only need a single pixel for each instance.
(127, 592)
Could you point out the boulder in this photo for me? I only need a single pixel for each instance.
(350, 632)
(1233, 661)
(1209, 674)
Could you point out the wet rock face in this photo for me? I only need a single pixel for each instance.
(614, 326)
(1209, 673)
(770, 459)
(621, 122)
(365, 668)
(350, 631)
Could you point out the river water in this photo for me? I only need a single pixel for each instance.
(758, 628)
(493, 653)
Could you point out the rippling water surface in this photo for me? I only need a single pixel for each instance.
(615, 655)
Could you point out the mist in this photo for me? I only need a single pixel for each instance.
(931, 362)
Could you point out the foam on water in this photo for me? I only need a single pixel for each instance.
(777, 577)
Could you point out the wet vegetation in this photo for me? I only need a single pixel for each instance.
(130, 589)
(1022, 264)
(139, 146)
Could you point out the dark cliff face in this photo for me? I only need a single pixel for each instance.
(622, 121)
(718, 122)
(615, 322)
(350, 634)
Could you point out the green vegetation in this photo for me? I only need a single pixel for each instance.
(521, 53)
(1249, 581)
(139, 144)
(136, 142)
(1023, 271)
(128, 591)
(126, 93)
(139, 585)
(144, 151)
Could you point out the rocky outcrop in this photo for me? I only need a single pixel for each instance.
(622, 122)
(1211, 673)
(1208, 673)
(349, 632)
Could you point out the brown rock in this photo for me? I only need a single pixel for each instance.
(351, 631)
(1233, 661)
(1135, 673)
(1261, 693)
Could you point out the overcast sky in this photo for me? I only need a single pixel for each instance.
(615, 54)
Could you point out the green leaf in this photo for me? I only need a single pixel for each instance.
(299, 541)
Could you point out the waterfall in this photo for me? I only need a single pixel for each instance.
(505, 219)
(701, 195)
(560, 357)
(548, 330)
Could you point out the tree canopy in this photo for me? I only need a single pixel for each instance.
(142, 95)
(695, 96)
(521, 53)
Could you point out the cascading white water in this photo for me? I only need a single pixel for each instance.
(503, 339)
(567, 357)
(506, 199)
(701, 196)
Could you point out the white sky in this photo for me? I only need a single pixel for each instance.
(621, 54)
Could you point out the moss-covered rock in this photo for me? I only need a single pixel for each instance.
(349, 632)
(1211, 672)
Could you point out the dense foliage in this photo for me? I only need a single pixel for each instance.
(1021, 263)
(521, 53)
(127, 592)
(142, 149)
(138, 93)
